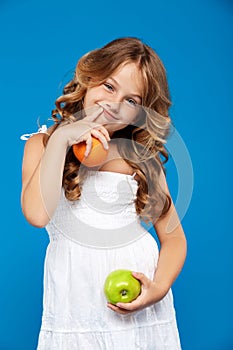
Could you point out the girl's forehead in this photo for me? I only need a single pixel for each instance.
(127, 68)
(130, 74)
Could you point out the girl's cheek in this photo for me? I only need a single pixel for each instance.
(131, 117)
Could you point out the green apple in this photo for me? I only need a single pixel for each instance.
(121, 287)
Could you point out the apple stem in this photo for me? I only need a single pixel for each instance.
(123, 292)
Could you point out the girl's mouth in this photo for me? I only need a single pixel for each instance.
(108, 115)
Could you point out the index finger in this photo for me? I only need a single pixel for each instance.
(92, 113)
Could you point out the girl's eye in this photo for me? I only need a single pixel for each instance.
(132, 101)
(108, 86)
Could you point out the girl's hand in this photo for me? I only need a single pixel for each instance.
(92, 129)
(84, 129)
(151, 293)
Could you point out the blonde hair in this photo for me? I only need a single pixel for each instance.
(147, 137)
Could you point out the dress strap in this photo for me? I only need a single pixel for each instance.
(42, 129)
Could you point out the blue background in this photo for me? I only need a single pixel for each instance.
(41, 42)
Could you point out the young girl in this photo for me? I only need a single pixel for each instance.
(119, 95)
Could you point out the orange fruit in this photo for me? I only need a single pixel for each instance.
(97, 155)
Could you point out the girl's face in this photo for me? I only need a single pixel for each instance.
(119, 96)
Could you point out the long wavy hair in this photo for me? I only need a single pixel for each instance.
(142, 145)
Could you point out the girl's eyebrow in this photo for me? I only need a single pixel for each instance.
(133, 94)
(114, 81)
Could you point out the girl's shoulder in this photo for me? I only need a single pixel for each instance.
(42, 133)
(36, 141)
(42, 130)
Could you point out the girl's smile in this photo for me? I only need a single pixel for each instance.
(109, 116)
(119, 96)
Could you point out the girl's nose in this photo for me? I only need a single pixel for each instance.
(112, 106)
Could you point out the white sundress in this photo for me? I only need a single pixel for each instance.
(89, 238)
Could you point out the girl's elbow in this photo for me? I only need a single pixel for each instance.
(39, 220)
(36, 221)
(34, 212)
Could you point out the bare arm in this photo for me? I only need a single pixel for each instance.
(43, 166)
(172, 251)
(35, 206)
